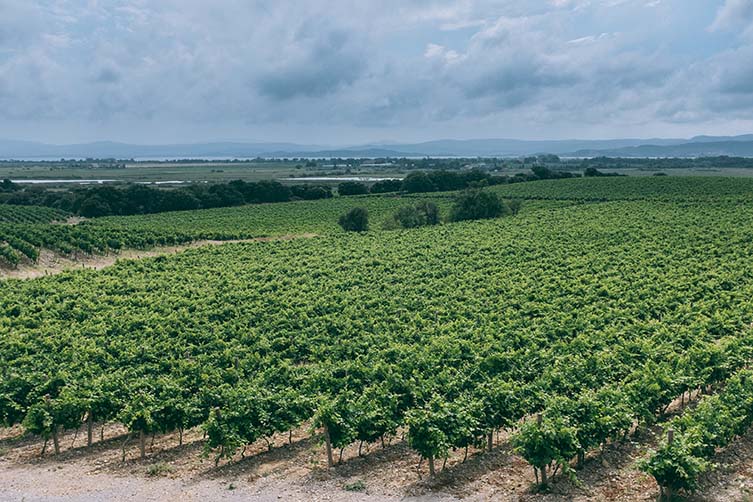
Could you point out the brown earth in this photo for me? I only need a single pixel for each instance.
(297, 471)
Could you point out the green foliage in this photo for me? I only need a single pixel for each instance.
(478, 205)
(386, 186)
(418, 215)
(30, 214)
(595, 315)
(159, 469)
(714, 423)
(514, 205)
(675, 466)
(337, 416)
(356, 486)
(355, 220)
(352, 188)
(553, 441)
(428, 428)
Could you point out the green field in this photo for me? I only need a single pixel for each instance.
(150, 172)
(594, 308)
(283, 170)
(111, 234)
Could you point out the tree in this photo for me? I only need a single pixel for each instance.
(94, 207)
(352, 188)
(476, 205)
(386, 186)
(430, 212)
(418, 182)
(514, 205)
(8, 186)
(423, 213)
(355, 220)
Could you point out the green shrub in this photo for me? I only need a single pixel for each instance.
(675, 466)
(355, 220)
(352, 188)
(356, 486)
(423, 213)
(159, 469)
(514, 205)
(478, 205)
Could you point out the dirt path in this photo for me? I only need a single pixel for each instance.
(51, 263)
(295, 469)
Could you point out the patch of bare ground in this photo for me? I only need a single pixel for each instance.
(294, 468)
(51, 263)
(733, 477)
(71, 220)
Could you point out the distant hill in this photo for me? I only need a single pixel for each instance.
(732, 148)
(657, 147)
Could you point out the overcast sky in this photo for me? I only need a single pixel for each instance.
(350, 71)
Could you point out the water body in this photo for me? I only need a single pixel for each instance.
(56, 182)
(341, 178)
(103, 181)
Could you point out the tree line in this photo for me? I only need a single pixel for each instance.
(139, 199)
(134, 199)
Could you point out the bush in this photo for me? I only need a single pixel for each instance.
(355, 220)
(514, 205)
(423, 213)
(159, 469)
(352, 188)
(547, 445)
(592, 172)
(478, 205)
(94, 207)
(311, 192)
(675, 466)
(356, 486)
(8, 186)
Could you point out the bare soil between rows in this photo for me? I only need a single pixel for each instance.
(52, 263)
(297, 470)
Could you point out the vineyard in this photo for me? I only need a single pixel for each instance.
(566, 326)
(20, 242)
(29, 214)
(664, 188)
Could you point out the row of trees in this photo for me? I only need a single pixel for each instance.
(140, 199)
(8, 186)
(445, 181)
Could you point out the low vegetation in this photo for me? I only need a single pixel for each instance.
(355, 220)
(478, 205)
(413, 216)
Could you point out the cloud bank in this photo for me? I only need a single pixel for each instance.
(343, 72)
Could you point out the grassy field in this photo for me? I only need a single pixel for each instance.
(185, 171)
(220, 171)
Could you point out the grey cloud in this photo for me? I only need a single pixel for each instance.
(350, 66)
(321, 64)
(107, 76)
